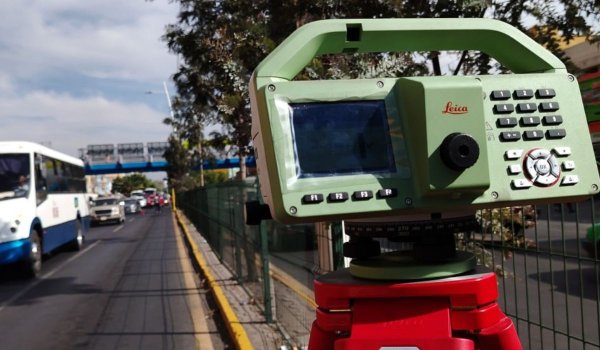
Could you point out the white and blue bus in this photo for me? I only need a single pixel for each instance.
(42, 204)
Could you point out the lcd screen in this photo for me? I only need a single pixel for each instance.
(341, 138)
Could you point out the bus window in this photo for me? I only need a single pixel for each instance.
(14, 175)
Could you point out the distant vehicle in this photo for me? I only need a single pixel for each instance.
(43, 204)
(149, 191)
(132, 205)
(139, 195)
(108, 209)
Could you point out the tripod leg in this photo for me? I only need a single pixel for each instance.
(320, 339)
(501, 336)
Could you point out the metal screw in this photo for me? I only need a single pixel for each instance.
(408, 201)
(271, 87)
(594, 187)
(293, 210)
(495, 195)
(380, 84)
(571, 78)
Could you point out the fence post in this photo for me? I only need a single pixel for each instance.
(264, 255)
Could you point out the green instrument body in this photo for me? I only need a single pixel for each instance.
(394, 147)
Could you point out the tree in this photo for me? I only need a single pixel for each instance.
(221, 42)
(179, 164)
(131, 182)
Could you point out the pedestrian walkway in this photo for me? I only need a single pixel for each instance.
(245, 320)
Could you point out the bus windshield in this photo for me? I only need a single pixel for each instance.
(14, 175)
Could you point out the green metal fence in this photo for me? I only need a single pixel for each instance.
(548, 272)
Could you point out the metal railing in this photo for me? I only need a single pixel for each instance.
(548, 272)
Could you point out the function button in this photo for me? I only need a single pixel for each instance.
(500, 95)
(562, 151)
(533, 135)
(539, 153)
(569, 165)
(530, 121)
(546, 180)
(530, 167)
(362, 195)
(514, 169)
(506, 122)
(387, 193)
(512, 154)
(548, 106)
(542, 167)
(504, 108)
(312, 198)
(556, 133)
(526, 107)
(337, 197)
(554, 166)
(510, 135)
(523, 94)
(545, 93)
(552, 120)
(570, 180)
(521, 183)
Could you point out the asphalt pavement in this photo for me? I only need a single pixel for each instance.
(131, 287)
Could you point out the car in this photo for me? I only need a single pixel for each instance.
(132, 205)
(139, 195)
(107, 209)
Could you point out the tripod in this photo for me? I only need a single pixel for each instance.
(410, 301)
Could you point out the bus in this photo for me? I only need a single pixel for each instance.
(43, 205)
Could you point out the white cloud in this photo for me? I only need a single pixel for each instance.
(60, 61)
(67, 122)
(116, 39)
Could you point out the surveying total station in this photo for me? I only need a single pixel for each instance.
(411, 159)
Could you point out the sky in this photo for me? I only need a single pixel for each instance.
(77, 72)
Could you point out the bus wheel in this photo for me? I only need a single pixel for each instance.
(32, 267)
(77, 243)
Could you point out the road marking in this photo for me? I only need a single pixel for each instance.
(118, 228)
(132, 219)
(198, 318)
(46, 276)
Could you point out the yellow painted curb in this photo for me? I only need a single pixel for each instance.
(234, 327)
(300, 290)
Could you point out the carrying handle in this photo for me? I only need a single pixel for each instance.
(506, 44)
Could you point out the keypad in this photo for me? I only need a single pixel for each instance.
(536, 117)
(531, 105)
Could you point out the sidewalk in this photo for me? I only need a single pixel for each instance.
(245, 321)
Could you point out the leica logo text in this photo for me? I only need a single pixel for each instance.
(455, 109)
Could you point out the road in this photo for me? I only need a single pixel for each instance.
(131, 287)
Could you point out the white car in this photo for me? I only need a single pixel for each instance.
(139, 195)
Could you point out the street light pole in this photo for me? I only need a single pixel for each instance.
(169, 100)
(199, 146)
